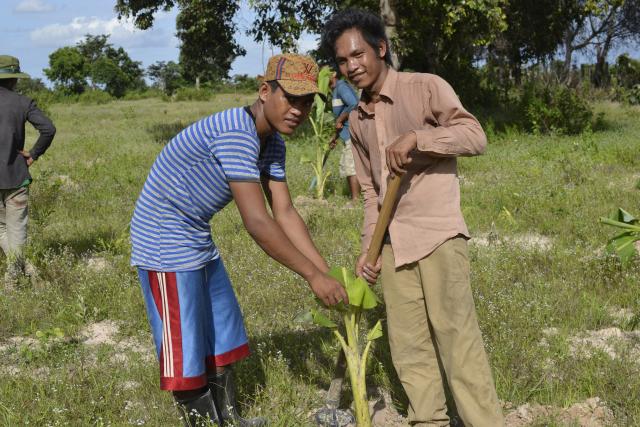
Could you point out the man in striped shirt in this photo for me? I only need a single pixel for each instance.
(235, 154)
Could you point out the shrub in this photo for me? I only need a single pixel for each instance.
(144, 94)
(163, 132)
(628, 96)
(94, 97)
(192, 94)
(633, 95)
(627, 71)
(554, 109)
(43, 99)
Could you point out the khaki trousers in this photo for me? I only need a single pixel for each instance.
(13, 226)
(433, 328)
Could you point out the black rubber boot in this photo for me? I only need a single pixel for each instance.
(198, 410)
(224, 393)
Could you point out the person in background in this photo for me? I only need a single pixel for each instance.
(344, 99)
(15, 111)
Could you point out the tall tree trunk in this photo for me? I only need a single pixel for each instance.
(600, 76)
(388, 13)
(568, 53)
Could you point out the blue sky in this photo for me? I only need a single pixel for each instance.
(32, 29)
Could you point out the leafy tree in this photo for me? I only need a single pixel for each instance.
(29, 86)
(447, 36)
(67, 70)
(627, 71)
(281, 22)
(94, 59)
(167, 76)
(207, 46)
(534, 32)
(106, 72)
(600, 25)
(205, 29)
(143, 11)
(245, 83)
(93, 47)
(108, 67)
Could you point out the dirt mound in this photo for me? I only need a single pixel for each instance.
(100, 333)
(97, 263)
(383, 414)
(611, 341)
(18, 342)
(590, 413)
(621, 316)
(529, 241)
(306, 205)
(105, 332)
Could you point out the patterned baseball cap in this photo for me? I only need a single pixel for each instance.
(296, 74)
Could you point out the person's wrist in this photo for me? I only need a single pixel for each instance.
(312, 274)
(413, 138)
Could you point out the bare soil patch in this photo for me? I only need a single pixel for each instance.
(590, 413)
(98, 263)
(612, 341)
(530, 241)
(105, 332)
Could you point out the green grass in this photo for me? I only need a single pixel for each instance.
(83, 196)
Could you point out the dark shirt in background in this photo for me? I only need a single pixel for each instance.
(15, 111)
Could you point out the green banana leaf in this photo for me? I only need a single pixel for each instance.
(375, 332)
(360, 294)
(624, 245)
(321, 319)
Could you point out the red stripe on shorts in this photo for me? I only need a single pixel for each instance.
(227, 358)
(164, 289)
(174, 318)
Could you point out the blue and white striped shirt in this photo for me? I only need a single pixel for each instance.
(189, 183)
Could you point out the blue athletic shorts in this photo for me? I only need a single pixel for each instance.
(196, 323)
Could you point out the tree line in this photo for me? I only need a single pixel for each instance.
(445, 37)
(95, 64)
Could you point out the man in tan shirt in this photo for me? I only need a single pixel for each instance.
(414, 125)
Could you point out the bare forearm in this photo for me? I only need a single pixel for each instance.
(270, 236)
(295, 228)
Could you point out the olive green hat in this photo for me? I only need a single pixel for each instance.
(10, 68)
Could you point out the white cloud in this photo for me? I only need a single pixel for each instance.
(122, 32)
(33, 6)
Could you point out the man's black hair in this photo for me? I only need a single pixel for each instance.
(273, 84)
(369, 24)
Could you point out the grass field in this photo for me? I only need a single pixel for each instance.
(75, 343)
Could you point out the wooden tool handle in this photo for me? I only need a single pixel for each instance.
(383, 219)
(333, 395)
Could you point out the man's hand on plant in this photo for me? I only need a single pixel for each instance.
(368, 271)
(328, 289)
(27, 157)
(398, 154)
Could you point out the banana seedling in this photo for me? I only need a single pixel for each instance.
(624, 243)
(321, 134)
(355, 344)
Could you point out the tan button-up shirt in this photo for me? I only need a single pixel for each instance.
(428, 210)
